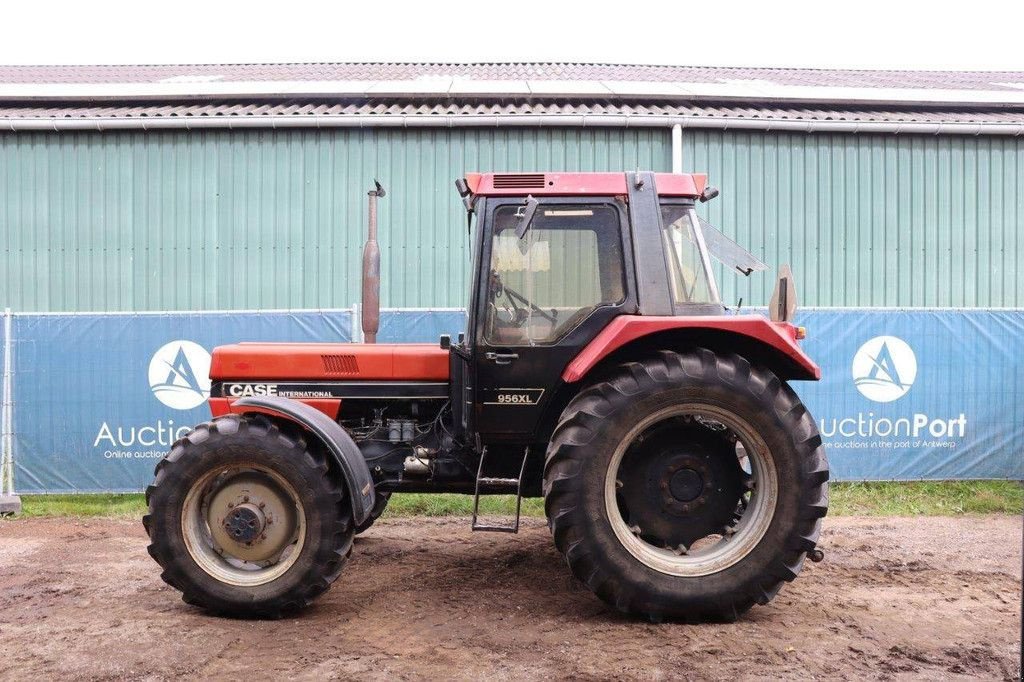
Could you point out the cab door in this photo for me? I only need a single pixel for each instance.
(541, 299)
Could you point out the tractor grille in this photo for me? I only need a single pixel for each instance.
(519, 181)
(340, 364)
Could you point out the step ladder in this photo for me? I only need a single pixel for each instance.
(510, 484)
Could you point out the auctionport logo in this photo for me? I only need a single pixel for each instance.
(884, 369)
(179, 375)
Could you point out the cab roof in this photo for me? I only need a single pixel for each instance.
(580, 184)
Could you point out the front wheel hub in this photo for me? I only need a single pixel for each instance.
(245, 523)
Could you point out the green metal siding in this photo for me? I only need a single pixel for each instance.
(276, 219)
(870, 220)
(260, 219)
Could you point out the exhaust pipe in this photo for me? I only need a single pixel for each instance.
(371, 271)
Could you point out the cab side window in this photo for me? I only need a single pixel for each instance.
(542, 286)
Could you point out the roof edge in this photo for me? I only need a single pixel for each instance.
(497, 62)
(546, 120)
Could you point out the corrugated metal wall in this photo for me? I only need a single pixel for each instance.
(260, 219)
(276, 219)
(870, 220)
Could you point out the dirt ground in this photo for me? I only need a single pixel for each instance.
(894, 599)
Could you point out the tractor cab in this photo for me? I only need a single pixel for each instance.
(558, 257)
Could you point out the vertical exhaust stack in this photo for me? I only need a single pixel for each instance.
(371, 270)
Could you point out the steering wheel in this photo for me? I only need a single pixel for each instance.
(518, 305)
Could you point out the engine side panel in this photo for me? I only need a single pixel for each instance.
(330, 362)
(327, 376)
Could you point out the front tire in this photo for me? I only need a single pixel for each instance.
(246, 519)
(686, 486)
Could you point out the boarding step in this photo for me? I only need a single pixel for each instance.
(497, 482)
(511, 484)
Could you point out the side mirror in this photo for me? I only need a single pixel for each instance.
(462, 187)
(782, 307)
(526, 217)
(445, 342)
(708, 194)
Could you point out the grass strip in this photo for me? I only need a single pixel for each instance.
(940, 498)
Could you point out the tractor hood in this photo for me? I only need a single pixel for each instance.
(330, 361)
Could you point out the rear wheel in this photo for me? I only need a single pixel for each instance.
(246, 519)
(686, 486)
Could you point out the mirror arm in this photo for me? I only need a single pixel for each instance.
(527, 217)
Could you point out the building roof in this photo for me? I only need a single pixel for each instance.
(516, 93)
(385, 71)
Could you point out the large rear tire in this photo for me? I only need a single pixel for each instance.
(246, 519)
(686, 486)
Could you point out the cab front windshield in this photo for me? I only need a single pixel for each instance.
(689, 279)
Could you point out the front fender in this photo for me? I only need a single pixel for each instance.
(341, 446)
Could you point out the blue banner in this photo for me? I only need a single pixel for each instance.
(918, 394)
(905, 394)
(98, 399)
(398, 326)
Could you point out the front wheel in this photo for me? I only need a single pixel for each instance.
(689, 485)
(246, 519)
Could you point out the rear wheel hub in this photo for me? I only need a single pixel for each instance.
(680, 482)
(686, 485)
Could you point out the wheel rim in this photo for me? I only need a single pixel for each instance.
(244, 525)
(691, 487)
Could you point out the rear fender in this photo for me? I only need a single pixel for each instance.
(773, 344)
(341, 446)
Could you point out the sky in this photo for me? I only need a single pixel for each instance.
(900, 34)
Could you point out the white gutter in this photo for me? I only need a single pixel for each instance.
(512, 120)
(737, 90)
(677, 148)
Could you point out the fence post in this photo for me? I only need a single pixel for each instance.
(9, 502)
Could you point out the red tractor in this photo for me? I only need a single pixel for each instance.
(681, 475)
